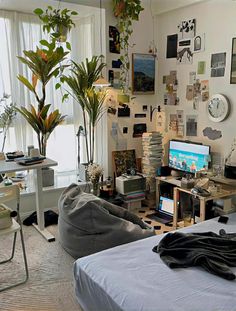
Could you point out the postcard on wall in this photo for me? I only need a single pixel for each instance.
(173, 122)
(196, 103)
(191, 125)
(173, 76)
(186, 29)
(199, 43)
(180, 130)
(201, 67)
(205, 96)
(184, 55)
(192, 77)
(204, 85)
(189, 92)
(197, 88)
(170, 99)
(180, 116)
(218, 62)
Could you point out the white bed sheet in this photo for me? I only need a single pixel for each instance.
(131, 277)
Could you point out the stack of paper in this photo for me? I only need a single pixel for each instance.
(152, 156)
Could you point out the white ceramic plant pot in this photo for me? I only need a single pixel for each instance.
(48, 177)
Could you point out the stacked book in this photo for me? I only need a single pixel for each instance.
(152, 156)
(133, 196)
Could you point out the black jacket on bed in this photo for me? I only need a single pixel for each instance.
(215, 253)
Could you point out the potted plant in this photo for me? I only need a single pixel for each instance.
(125, 11)
(44, 64)
(80, 83)
(56, 21)
(6, 117)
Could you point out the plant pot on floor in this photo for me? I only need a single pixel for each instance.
(48, 177)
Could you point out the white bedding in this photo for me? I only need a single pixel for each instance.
(133, 278)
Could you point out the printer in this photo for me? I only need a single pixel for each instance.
(130, 183)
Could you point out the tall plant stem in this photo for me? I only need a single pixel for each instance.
(86, 140)
(93, 133)
(90, 142)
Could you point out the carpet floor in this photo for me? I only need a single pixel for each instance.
(50, 286)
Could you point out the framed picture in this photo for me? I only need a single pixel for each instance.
(143, 73)
(233, 63)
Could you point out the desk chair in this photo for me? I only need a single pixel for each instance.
(10, 193)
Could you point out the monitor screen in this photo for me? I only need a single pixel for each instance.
(188, 157)
(166, 206)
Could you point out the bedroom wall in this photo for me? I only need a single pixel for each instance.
(141, 37)
(215, 18)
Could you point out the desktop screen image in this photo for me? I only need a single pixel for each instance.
(166, 206)
(188, 157)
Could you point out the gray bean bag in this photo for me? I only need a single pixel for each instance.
(88, 224)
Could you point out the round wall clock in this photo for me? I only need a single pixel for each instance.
(218, 108)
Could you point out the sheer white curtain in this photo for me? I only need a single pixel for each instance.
(20, 32)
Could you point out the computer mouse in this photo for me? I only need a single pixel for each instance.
(200, 191)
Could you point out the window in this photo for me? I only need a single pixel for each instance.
(20, 32)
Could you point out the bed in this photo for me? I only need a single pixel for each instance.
(133, 278)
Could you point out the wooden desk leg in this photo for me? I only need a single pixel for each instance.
(157, 192)
(175, 216)
(40, 206)
(202, 209)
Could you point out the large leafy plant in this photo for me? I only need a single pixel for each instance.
(45, 64)
(126, 11)
(56, 21)
(80, 83)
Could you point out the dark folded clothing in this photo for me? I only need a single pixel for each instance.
(50, 218)
(214, 253)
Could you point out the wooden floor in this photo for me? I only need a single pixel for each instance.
(159, 227)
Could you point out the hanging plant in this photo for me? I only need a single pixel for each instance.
(126, 11)
(57, 22)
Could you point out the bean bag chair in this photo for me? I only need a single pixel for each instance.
(88, 224)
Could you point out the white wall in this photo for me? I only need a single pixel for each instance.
(142, 36)
(215, 18)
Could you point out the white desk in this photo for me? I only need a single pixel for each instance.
(7, 167)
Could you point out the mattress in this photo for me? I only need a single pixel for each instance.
(131, 277)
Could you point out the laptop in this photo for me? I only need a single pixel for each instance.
(164, 211)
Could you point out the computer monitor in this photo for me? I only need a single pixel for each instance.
(188, 156)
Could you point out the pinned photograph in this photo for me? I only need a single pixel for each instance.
(171, 49)
(218, 63)
(114, 43)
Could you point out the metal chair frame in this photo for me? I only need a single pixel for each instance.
(7, 194)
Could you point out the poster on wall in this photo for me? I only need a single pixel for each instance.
(171, 48)
(184, 55)
(187, 29)
(218, 62)
(114, 40)
(143, 73)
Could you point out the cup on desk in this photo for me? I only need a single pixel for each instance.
(187, 218)
(34, 153)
